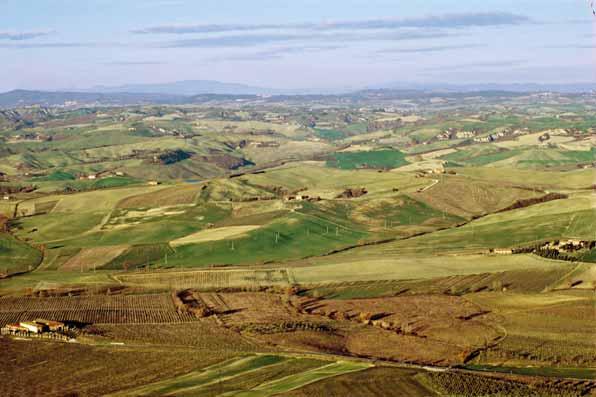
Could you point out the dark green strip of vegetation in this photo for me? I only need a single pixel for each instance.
(376, 159)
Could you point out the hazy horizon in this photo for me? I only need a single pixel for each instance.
(306, 45)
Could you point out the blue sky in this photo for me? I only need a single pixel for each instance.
(61, 44)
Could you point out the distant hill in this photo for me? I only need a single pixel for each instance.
(18, 98)
(202, 91)
(568, 88)
(188, 88)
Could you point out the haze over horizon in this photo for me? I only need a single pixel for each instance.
(304, 45)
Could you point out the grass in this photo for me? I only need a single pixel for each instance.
(139, 255)
(589, 256)
(7, 208)
(195, 380)
(57, 226)
(101, 200)
(402, 211)
(578, 179)
(471, 158)
(370, 159)
(206, 279)
(152, 230)
(262, 376)
(56, 176)
(296, 381)
(55, 278)
(570, 218)
(377, 381)
(382, 262)
(465, 197)
(330, 182)
(181, 194)
(17, 256)
(330, 135)
(297, 235)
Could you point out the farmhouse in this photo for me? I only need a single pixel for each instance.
(38, 327)
(32, 326)
(53, 326)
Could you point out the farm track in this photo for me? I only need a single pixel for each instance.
(434, 182)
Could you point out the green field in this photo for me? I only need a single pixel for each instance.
(17, 256)
(331, 135)
(297, 235)
(372, 159)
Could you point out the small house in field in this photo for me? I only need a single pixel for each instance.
(153, 183)
(53, 326)
(91, 177)
(32, 326)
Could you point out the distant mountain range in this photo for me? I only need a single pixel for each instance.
(201, 91)
(197, 87)
(188, 88)
(18, 98)
(568, 88)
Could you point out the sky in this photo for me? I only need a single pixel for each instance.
(299, 44)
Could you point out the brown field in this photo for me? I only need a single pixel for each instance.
(249, 308)
(391, 328)
(126, 309)
(182, 194)
(446, 318)
(526, 280)
(467, 384)
(424, 329)
(551, 329)
(93, 258)
(70, 369)
(204, 334)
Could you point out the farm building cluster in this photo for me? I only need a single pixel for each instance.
(37, 328)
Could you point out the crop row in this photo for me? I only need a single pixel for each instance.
(103, 302)
(120, 316)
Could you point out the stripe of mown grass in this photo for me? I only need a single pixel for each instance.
(215, 373)
(302, 379)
